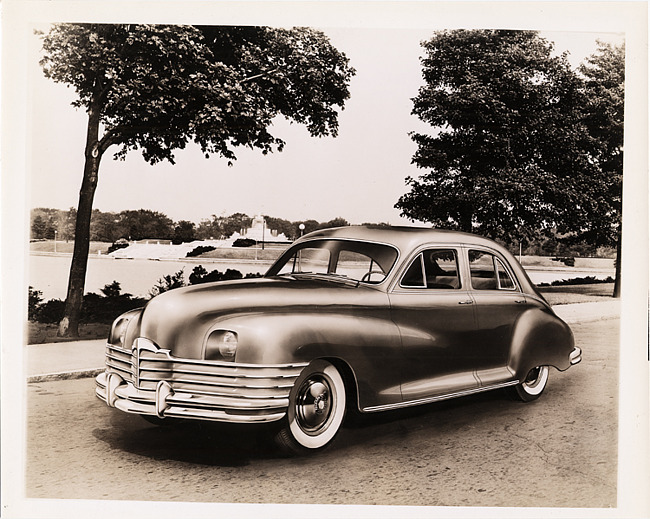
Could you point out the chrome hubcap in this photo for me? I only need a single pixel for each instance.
(313, 404)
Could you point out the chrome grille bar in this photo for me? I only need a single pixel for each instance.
(146, 368)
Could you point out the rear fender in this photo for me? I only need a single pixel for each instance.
(540, 338)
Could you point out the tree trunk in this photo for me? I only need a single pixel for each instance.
(69, 325)
(617, 280)
(466, 218)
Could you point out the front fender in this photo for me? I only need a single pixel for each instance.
(369, 345)
(540, 338)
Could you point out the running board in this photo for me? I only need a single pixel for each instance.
(438, 398)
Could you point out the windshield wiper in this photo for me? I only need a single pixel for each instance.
(329, 276)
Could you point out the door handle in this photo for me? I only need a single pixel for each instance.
(520, 301)
(467, 302)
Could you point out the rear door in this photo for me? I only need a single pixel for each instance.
(499, 302)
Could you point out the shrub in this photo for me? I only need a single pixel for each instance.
(199, 250)
(51, 311)
(119, 244)
(34, 303)
(587, 280)
(94, 309)
(200, 275)
(244, 242)
(167, 283)
(103, 309)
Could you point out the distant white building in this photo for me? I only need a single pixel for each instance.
(258, 231)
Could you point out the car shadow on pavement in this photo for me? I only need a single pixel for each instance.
(198, 442)
(451, 414)
(233, 445)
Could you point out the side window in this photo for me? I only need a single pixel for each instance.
(505, 281)
(488, 272)
(433, 269)
(414, 276)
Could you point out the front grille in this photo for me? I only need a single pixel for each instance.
(119, 361)
(146, 368)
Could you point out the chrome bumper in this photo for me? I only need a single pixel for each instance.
(152, 381)
(575, 356)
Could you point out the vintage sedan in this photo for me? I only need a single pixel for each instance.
(356, 318)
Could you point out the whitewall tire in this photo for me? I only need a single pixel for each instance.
(533, 385)
(316, 409)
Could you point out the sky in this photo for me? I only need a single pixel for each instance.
(358, 175)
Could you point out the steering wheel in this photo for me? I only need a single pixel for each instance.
(366, 276)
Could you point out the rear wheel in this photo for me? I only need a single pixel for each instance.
(316, 409)
(532, 386)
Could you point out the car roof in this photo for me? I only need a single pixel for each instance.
(408, 238)
(403, 237)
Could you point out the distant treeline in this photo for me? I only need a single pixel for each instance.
(146, 224)
(46, 224)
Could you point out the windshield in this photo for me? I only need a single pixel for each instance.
(354, 260)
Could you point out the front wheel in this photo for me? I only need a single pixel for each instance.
(316, 409)
(532, 386)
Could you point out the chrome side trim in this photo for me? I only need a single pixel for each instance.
(438, 398)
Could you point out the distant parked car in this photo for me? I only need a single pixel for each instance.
(569, 261)
(360, 318)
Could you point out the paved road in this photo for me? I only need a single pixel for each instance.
(485, 450)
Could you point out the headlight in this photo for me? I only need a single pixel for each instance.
(118, 331)
(221, 345)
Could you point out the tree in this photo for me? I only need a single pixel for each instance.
(104, 226)
(183, 232)
(65, 223)
(157, 88)
(236, 222)
(336, 222)
(144, 223)
(40, 228)
(310, 226)
(509, 155)
(209, 229)
(280, 225)
(604, 75)
(43, 223)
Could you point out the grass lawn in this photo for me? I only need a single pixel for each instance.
(568, 294)
(41, 333)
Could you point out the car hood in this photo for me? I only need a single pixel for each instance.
(179, 319)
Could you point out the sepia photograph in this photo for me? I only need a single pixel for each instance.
(338, 258)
